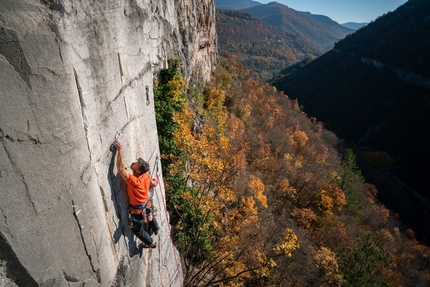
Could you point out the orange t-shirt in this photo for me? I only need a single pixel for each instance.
(138, 189)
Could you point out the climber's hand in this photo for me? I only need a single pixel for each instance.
(117, 144)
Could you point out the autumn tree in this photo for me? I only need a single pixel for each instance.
(327, 262)
(212, 211)
(256, 192)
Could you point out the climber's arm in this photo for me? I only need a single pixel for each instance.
(154, 182)
(120, 160)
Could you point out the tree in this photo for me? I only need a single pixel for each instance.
(367, 264)
(326, 261)
(350, 181)
(214, 213)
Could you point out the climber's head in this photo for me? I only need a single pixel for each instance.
(143, 165)
(139, 166)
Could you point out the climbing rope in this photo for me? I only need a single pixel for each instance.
(162, 190)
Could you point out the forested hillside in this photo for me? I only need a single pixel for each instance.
(373, 90)
(261, 195)
(318, 29)
(262, 48)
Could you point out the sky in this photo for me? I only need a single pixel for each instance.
(343, 11)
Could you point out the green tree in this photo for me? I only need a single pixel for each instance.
(367, 264)
(350, 181)
(169, 99)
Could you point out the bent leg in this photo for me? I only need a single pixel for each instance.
(140, 232)
(154, 225)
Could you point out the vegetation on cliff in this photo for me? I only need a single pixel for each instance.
(259, 194)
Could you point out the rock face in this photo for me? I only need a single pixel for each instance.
(74, 76)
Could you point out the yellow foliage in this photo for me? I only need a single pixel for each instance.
(176, 87)
(300, 137)
(326, 261)
(288, 244)
(248, 206)
(215, 98)
(304, 216)
(267, 263)
(245, 112)
(237, 268)
(288, 157)
(257, 187)
(325, 202)
(298, 164)
(289, 190)
(267, 267)
(330, 198)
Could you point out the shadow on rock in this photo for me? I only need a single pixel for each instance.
(120, 202)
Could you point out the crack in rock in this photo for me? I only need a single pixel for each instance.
(80, 227)
(70, 278)
(17, 171)
(5, 221)
(127, 85)
(10, 138)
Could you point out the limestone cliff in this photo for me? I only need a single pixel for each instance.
(75, 75)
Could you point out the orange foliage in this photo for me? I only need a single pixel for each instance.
(257, 153)
(304, 216)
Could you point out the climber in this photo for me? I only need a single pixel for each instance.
(138, 185)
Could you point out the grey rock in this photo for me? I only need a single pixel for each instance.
(73, 78)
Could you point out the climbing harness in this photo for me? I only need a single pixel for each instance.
(132, 210)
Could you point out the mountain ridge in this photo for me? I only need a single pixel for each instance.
(319, 29)
(310, 27)
(354, 25)
(372, 90)
(259, 46)
(238, 4)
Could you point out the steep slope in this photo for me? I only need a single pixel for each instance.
(373, 89)
(75, 76)
(259, 46)
(320, 30)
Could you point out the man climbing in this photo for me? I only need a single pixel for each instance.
(138, 185)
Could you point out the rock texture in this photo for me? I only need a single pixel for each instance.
(74, 76)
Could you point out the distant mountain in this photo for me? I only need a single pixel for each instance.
(354, 26)
(373, 89)
(320, 30)
(260, 47)
(235, 4)
(335, 28)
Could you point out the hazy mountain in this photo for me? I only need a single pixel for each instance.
(318, 29)
(373, 89)
(353, 25)
(261, 47)
(234, 5)
(335, 28)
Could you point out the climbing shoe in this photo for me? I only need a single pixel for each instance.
(144, 245)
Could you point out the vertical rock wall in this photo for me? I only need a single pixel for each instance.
(74, 76)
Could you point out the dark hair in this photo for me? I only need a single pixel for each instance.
(143, 165)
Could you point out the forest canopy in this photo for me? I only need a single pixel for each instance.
(259, 194)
